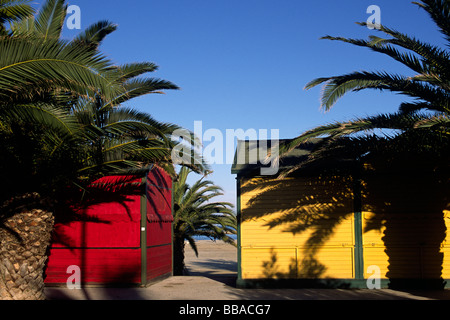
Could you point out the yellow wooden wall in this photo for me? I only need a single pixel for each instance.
(304, 228)
(405, 223)
(296, 228)
(414, 258)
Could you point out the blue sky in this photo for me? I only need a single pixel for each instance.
(244, 64)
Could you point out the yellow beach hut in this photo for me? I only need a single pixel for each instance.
(340, 224)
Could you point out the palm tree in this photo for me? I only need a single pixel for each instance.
(62, 124)
(12, 11)
(34, 73)
(115, 138)
(195, 215)
(420, 125)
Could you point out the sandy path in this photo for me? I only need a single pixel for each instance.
(216, 260)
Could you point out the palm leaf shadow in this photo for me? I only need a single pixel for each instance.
(319, 208)
(75, 207)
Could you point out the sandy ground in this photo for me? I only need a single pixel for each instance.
(212, 276)
(216, 260)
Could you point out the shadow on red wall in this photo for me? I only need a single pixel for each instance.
(102, 233)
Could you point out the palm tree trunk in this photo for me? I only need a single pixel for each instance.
(178, 256)
(24, 241)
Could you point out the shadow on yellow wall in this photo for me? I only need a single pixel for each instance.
(403, 228)
(410, 213)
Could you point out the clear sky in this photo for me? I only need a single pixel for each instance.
(244, 63)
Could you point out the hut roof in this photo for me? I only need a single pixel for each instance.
(250, 155)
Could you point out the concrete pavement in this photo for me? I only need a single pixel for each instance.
(212, 277)
(204, 288)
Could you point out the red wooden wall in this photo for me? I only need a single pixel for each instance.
(105, 240)
(159, 224)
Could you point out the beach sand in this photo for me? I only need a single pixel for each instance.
(212, 276)
(216, 260)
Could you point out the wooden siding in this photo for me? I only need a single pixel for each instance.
(159, 225)
(107, 241)
(98, 266)
(405, 226)
(159, 261)
(304, 227)
(296, 228)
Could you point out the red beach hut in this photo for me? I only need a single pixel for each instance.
(123, 234)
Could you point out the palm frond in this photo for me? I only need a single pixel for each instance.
(50, 19)
(419, 129)
(332, 136)
(133, 70)
(439, 11)
(438, 120)
(14, 10)
(336, 87)
(139, 87)
(196, 215)
(380, 45)
(434, 58)
(71, 68)
(95, 33)
(63, 100)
